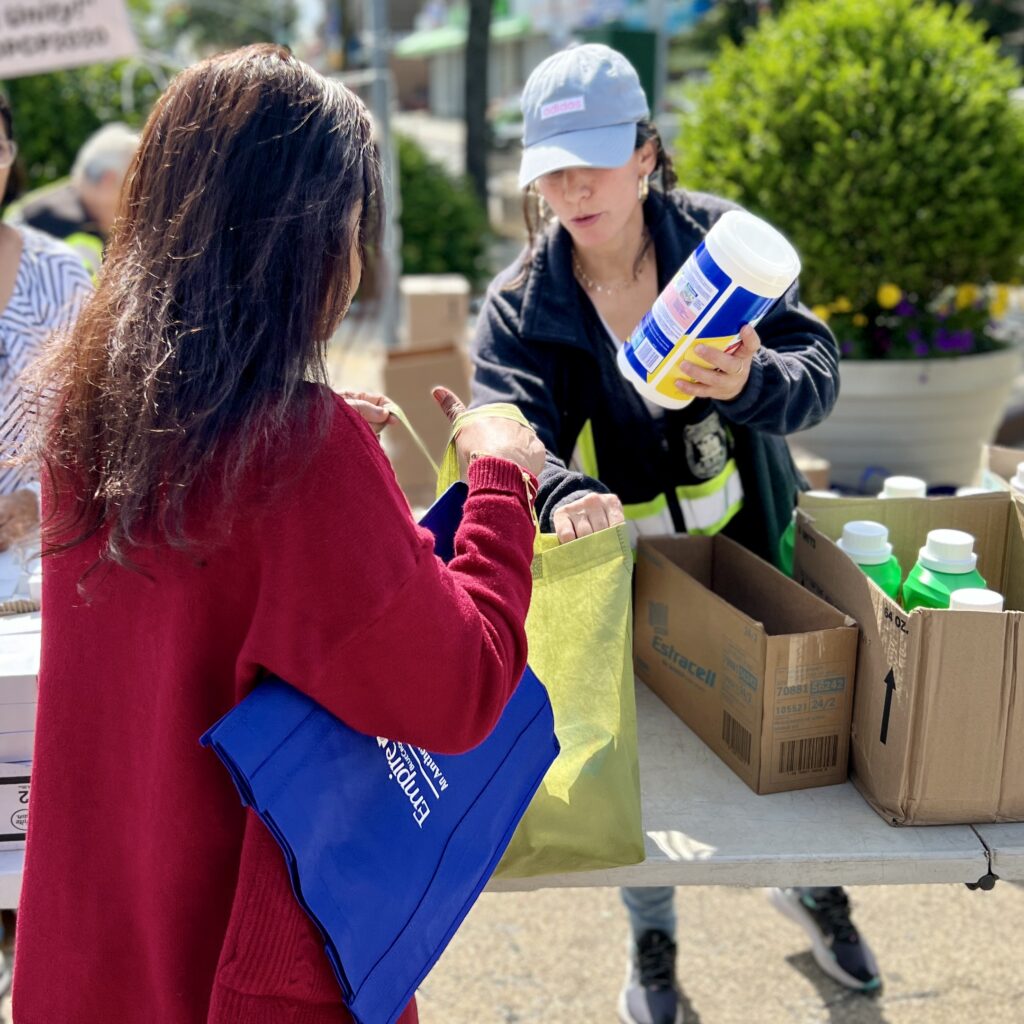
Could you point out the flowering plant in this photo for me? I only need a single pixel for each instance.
(959, 321)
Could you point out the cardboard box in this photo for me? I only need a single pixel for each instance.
(758, 667)
(408, 379)
(817, 471)
(999, 466)
(938, 722)
(14, 790)
(435, 311)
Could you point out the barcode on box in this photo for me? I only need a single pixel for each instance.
(647, 355)
(812, 754)
(737, 739)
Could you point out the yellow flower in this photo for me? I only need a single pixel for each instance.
(966, 295)
(1000, 302)
(821, 312)
(889, 296)
(860, 320)
(841, 305)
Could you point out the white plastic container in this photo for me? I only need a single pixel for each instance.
(975, 600)
(732, 278)
(1017, 481)
(903, 487)
(970, 492)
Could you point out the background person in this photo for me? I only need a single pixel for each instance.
(81, 209)
(42, 284)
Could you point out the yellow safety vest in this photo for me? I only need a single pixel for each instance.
(707, 507)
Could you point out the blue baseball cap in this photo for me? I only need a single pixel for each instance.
(580, 109)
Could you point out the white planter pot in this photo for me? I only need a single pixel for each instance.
(927, 418)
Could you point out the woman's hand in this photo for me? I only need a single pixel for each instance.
(492, 435)
(19, 516)
(587, 515)
(370, 406)
(730, 370)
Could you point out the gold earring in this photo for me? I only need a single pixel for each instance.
(643, 188)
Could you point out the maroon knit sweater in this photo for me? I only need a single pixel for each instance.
(150, 896)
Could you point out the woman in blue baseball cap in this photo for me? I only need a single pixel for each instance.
(607, 230)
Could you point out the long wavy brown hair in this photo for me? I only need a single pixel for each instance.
(255, 187)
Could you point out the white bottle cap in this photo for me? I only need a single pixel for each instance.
(948, 551)
(867, 543)
(975, 600)
(822, 494)
(967, 492)
(903, 487)
(1017, 483)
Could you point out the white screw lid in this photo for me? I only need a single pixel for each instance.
(975, 600)
(903, 487)
(948, 551)
(867, 543)
(1017, 483)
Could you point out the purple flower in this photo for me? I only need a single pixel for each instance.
(914, 336)
(905, 308)
(846, 348)
(921, 348)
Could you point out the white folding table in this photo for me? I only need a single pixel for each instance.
(705, 827)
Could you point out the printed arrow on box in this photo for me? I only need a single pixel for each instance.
(890, 686)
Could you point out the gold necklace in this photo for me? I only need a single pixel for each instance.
(604, 289)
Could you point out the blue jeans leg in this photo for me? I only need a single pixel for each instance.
(651, 908)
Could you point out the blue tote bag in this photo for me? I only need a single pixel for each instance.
(387, 845)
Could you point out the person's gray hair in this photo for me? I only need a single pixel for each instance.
(110, 148)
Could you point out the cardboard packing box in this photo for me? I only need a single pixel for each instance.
(758, 667)
(14, 790)
(938, 721)
(408, 379)
(817, 471)
(998, 466)
(434, 311)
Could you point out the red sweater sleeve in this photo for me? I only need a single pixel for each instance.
(355, 609)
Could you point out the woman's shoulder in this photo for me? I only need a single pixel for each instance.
(702, 207)
(54, 262)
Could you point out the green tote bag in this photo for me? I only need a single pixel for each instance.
(586, 814)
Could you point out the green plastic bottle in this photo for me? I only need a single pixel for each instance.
(946, 563)
(784, 556)
(867, 543)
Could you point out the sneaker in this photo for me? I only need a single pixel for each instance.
(650, 994)
(836, 945)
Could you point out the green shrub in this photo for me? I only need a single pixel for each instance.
(879, 136)
(444, 228)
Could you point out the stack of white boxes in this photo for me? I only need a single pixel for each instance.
(19, 668)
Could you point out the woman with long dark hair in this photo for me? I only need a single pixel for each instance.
(213, 514)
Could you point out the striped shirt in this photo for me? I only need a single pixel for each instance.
(50, 287)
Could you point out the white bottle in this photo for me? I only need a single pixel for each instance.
(732, 278)
(975, 600)
(1017, 481)
(903, 487)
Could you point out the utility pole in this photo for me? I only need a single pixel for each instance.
(478, 43)
(377, 37)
